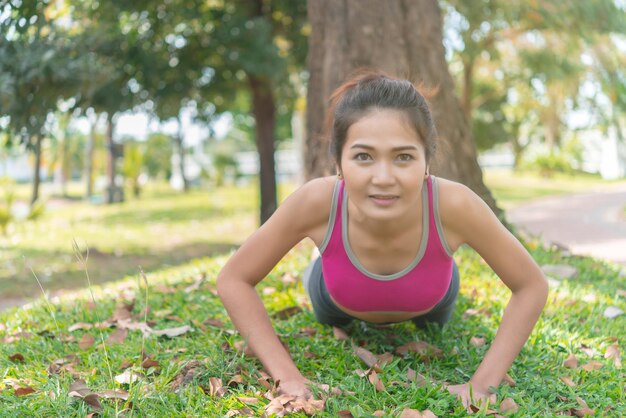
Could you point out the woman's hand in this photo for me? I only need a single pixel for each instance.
(471, 395)
(295, 387)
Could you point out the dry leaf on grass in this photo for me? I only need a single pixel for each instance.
(114, 394)
(118, 336)
(613, 352)
(214, 323)
(569, 382)
(477, 341)
(287, 312)
(425, 350)
(375, 380)
(235, 381)
(17, 357)
(508, 405)
(150, 362)
(80, 325)
(171, 332)
(186, 375)
(24, 390)
(367, 356)
(612, 312)
(584, 408)
(591, 366)
(345, 414)
(414, 413)
(419, 379)
(216, 388)
(571, 362)
(340, 335)
(127, 377)
(86, 341)
(246, 412)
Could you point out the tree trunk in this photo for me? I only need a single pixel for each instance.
(264, 110)
(112, 190)
(468, 79)
(89, 151)
(37, 169)
(180, 148)
(403, 38)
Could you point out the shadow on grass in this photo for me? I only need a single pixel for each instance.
(102, 267)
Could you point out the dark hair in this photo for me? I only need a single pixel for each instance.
(369, 89)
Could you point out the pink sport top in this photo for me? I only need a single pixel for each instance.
(418, 287)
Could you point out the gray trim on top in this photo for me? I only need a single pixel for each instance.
(420, 252)
(442, 237)
(331, 218)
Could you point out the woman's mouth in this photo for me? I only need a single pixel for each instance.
(383, 199)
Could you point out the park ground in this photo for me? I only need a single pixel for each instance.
(106, 337)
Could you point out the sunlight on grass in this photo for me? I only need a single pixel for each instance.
(161, 228)
(572, 324)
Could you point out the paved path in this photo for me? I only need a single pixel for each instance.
(588, 223)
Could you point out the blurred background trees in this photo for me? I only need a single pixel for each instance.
(532, 78)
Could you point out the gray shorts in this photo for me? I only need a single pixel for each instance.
(328, 313)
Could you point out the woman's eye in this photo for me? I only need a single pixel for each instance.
(405, 157)
(362, 156)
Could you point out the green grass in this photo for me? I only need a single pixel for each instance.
(572, 323)
(162, 228)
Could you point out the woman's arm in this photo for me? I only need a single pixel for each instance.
(473, 222)
(304, 211)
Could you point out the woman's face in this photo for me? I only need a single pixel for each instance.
(383, 164)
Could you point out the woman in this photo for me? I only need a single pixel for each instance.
(386, 231)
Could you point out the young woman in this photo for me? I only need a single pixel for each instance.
(386, 231)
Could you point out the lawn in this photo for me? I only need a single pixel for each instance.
(94, 334)
(162, 228)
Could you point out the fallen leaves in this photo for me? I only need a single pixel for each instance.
(287, 312)
(340, 335)
(86, 341)
(172, 332)
(414, 413)
(23, 390)
(612, 312)
(78, 389)
(477, 341)
(17, 357)
(569, 382)
(612, 352)
(571, 362)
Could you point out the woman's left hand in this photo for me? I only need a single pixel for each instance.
(472, 396)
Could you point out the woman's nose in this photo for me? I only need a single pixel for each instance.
(383, 174)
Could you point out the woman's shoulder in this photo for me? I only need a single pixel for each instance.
(310, 204)
(457, 202)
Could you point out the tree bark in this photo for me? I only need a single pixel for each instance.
(113, 193)
(403, 38)
(89, 151)
(180, 148)
(264, 110)
(36, 170)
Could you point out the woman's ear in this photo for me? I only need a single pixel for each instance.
(427, 173)
(338, 169)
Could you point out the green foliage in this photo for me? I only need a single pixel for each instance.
(6, 215)
(36, 210)
(157, 156)
(132, 165)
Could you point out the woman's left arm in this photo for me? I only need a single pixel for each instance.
(476, 225)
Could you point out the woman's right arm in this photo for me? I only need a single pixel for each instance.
(305, 211)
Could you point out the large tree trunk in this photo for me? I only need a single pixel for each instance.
(264, 110)
(37, 169)
(403, 38)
